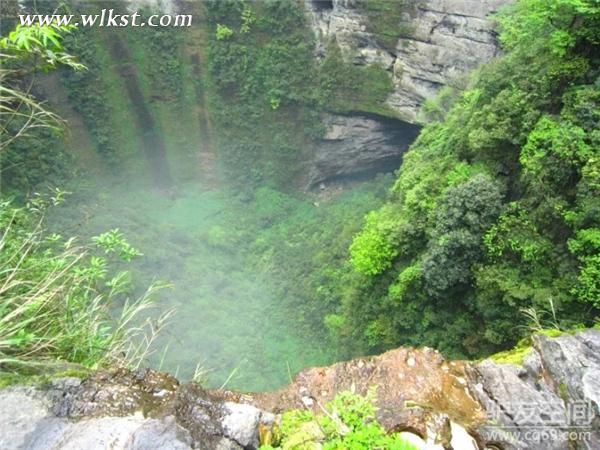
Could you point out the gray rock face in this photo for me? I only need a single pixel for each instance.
(448, 39)
(344, 21)
(550, 403)
(355, 145)
(162, 6)
(122, 410)
(214, 423)
(27, 423)
(21, 410)
(240, 423)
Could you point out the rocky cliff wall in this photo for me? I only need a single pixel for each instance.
(548, 400)
(441, 41)
(438, 43)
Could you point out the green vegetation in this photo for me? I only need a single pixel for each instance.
(138, 87)
(264, 77)
(26, 126)
(255, 260)
(347, 423)
(385, 19)
(261, 65)
(514, 356)
(524, 347)
(87, 92)
(254, 272)
(99, 95)
(43, 376)
(349, 88)
(491, 228)
(495, 210)
(61, 301)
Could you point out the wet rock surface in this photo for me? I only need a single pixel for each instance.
(411, 385)
(139, 410)
(117, 393)
(551, 401)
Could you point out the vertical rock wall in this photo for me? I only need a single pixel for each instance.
(444, 40)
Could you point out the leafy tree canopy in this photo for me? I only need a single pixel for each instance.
(496, 208)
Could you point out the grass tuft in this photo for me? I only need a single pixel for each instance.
(62, 302)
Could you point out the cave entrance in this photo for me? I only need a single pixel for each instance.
(357, 147)
(322, 5)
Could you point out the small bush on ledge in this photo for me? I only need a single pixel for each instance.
(346, 423)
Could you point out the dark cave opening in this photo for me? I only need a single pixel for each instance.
(322, 5)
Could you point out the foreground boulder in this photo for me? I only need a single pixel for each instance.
(141, 410)
(550, 399)
(546, 398)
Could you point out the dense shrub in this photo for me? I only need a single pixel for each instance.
(63, 301)
(267, 89)
(495, 209)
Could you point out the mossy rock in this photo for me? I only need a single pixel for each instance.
(385, 20)
(31, 378)
(552, 332)
(515, 356)
(40, 371)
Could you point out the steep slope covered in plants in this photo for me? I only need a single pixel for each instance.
(57, 296)
(495, 210)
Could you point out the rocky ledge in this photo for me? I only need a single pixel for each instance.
(550, 399)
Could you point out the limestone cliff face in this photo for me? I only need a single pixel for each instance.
(164, 6)
(445, 40)
(550, 401)
(442, 42)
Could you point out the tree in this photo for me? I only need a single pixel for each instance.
(464, 213)
(496, 208)
(557, 25)
(371, 251)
